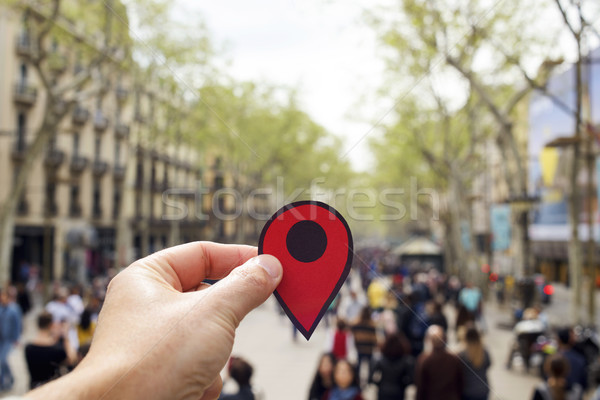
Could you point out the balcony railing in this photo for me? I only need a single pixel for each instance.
(80, 115)
(119, 172)
(122, 94)
(24, 45)
(99, 168)
(140, 117)
(122, 130)
(78, 164)
(100, 122)
(54, 158)
(75, 210)
(25, 94)
(51, 209)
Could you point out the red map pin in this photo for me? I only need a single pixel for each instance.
(314, 244)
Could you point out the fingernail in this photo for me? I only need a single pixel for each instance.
(269, 264)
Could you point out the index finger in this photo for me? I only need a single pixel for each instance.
(191, 263)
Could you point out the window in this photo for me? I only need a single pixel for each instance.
(21, 125)
(97, 145)
(23, 76)
(51, 207)
(74, 208)
(76, 138)
(116, 203)
(96, 209)
(117, 152)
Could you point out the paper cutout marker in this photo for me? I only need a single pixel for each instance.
(314, 244)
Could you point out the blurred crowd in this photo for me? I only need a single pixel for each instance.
(65, 326)
(394, 336)
(387, 334)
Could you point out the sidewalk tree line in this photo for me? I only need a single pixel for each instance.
(256, 133)
(479, 56)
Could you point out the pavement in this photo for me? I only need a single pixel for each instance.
(284, 367)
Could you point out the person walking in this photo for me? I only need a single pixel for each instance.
(345, 381)
(11, 326)
(323, 380)
(556, 387)
(439, 373)
(48, 351)
(394, 371)
(241, 372)
(365, 338)
(476, 362)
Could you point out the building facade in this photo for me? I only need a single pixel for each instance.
(112, 185)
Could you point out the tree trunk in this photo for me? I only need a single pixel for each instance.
(9, 208)
(575, 261)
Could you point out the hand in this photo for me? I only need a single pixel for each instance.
(162, 334)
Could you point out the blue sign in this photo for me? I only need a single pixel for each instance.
(500, 220)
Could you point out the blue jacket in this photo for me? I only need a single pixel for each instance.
(11, 322)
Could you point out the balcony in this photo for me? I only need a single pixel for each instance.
(75, 210)
(78, 164)
(25, 94)
(140, 117)
(80, 115)
(50, 209)
(158, 187)
(57, 62)
(122, 131)
(54, 158)
(100, 122)
(121, 94)
(119, 172)
(24, 45)
(99, 168)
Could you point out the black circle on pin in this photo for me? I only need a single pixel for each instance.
(302, 233)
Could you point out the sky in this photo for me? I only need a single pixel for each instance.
(323, 49)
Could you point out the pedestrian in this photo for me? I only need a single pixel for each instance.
(376, 294)
(23, 298)
(86, 327)
(353, 307)
(577, 363)
(64, 313)
(470, 297)
(323, 380)
(345, 382)
(435, 315)
(49, 350)
(394, 372)
(476, 362)
(11, 326)
(556, 368)
(342, 344)
(365, 339)
(439, 373)
(241, 372)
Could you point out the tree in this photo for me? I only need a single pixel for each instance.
(457, 42)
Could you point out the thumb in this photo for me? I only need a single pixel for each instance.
(245, 288)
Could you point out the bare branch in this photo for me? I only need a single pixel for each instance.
(563, 12)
